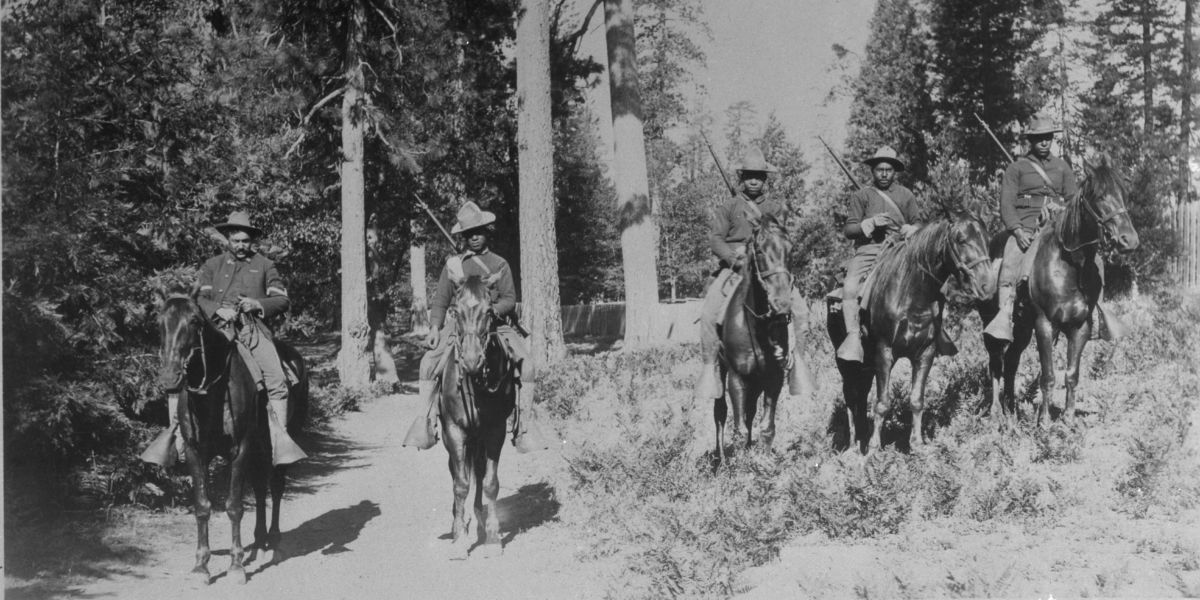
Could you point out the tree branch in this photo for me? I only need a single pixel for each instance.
(322, 102)
(575, 39)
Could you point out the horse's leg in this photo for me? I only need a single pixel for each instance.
(770, 395)
(1022, 335)
(235, 508)
(751, 390)
(1044, 331)
(460, 471)
(720, 414)
(883, 371)
(735, 388)
(916, 396)
(995, 350)
(1076, 339)
(488, 486)
(278, 481)
(258, 480)
(203, 507)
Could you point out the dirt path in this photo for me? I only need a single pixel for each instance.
(368, 518)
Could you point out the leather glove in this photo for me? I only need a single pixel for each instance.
(1024, 238)
(432, 339)
(739, 259)
(907, 230)
(227, 314)
(868, 226)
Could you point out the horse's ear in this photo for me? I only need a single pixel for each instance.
(158, 296)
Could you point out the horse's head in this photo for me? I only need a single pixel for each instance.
(180, 325)
(1103, 195)
(968, 241)
(473, 319)
(768, 252)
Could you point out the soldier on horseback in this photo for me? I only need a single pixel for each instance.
(875, 212)
(475, 226)
(238, 290)
(731, 227)
(1034, 188)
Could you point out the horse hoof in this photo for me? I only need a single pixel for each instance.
(490, 551)
(237, 576)
(202, 576)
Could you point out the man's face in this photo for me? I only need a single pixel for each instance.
(883, 174)
(1040, 144)
(753, 182)
(239, 243)
(477, 240)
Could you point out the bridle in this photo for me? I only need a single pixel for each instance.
(206, 384)
(761, 274)
(1104, 240)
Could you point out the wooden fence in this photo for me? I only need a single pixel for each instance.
(675, 322)
(1186, 265)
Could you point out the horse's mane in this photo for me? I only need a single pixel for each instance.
(1101, 177)
(918, 253)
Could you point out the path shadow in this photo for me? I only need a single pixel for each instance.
(329, 533)
(533, 505)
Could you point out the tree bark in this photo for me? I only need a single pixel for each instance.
(1185, 115)
(1147, 69)
(634, 209)
(354, 359)
(535, 148)
(420, 293)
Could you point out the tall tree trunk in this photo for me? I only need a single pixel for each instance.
(416, 279)
(535, 148)
(354, 359)
(1185, 114)
(1147, 69)
(634, 211)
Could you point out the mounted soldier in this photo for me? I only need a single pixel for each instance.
(731, 227)
(1035, 187)
(873, 214)
(238, 291)
(475, 226)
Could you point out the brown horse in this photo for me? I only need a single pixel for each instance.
(220, 413)
(903, 319)
(478, 394)
(754, 335)
(1063, 288)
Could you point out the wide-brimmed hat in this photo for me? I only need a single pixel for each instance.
(1041, 125)
(885, 154)
(470, 216)
(753, 160)
(239, 219)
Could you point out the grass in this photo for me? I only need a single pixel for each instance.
(640, 481)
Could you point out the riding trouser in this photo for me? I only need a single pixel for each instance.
(857, 269)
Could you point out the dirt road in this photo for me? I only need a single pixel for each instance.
(367, 518)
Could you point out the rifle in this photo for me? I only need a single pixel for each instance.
(429, 212)
(732, 190)
(840, 164)
(993, 136)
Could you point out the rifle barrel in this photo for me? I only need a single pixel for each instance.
(725, 178)
(993, 136)
(839, 162)
(429, 212)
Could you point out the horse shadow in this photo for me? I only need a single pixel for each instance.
(533, 505)
(329, 533)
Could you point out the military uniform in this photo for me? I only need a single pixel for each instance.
(898, 204)
(731, 228)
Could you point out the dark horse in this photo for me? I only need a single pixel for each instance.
(1063, 288)
(220, 413)
(903, 319)
(477, 395)
(754, 335)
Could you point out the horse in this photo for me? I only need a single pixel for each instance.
(903, 320)
(221, 413)
(478, 393)
(1062, 291)
(754, 352)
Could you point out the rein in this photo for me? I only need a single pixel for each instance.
(205, 383)
(1074, 217)
(761, 274)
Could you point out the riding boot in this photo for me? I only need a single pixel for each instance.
(1001, 326)
(1108, 326)
(167, 448)
(422, 434)
(800, 379)
(851, 348)
(709, 386)
(527, 436)
(284, 450)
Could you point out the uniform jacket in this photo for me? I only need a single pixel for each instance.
(504, 292)
(224, 278)
(1023, 191)
(731, 224)
(866, 202)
